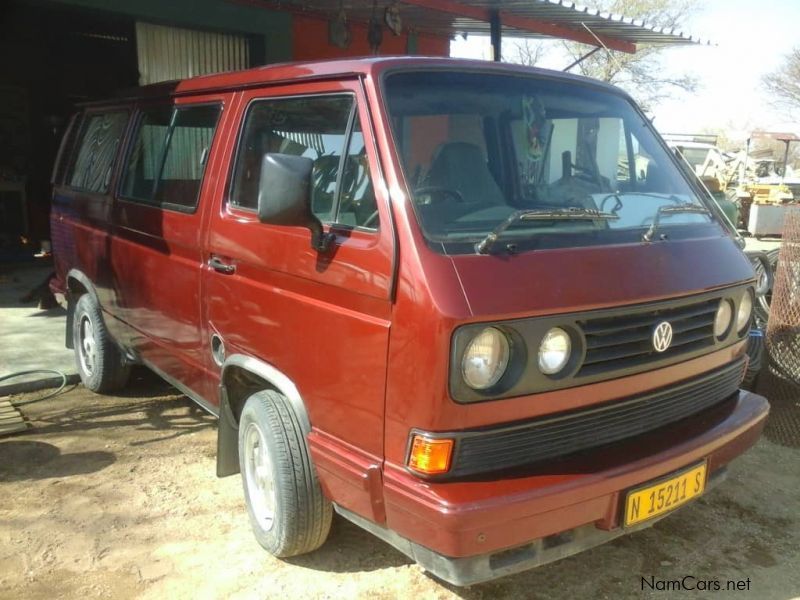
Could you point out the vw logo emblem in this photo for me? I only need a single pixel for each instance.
(662, 336)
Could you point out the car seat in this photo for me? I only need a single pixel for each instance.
(462, 167)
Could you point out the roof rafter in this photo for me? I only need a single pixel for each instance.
(554, 19)
(522, 23)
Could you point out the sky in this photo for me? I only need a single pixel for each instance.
(750, 39)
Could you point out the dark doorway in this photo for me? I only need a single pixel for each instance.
(53, 58)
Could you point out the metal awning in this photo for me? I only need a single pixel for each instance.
(517, 18)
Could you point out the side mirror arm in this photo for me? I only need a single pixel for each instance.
(321, 241)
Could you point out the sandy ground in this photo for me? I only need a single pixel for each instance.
(117, 497)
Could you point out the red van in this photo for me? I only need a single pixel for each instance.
(477, 309)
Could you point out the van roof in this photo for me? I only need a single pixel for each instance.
(327, 69)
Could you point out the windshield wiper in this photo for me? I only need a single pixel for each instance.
(617, 196)
(647, 236)
(572, 213)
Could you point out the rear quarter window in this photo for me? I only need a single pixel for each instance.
(99, 140)
(66, 150)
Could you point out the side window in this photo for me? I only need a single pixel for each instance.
(646, 171)
(650, 175)
(596, 148)
(185, 159)
(317, 128)
(357, 206)
(625, 175)
(144, 161)
(540, 146)
(169, 153)
(67, 149)
(564, 138)
(98, 145)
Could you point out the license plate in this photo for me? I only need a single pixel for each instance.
(658, 498)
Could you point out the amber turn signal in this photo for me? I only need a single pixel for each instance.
(429, 456)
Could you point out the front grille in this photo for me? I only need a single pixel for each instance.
(625, 341)
(483, 451)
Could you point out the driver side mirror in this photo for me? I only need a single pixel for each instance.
(284, 196)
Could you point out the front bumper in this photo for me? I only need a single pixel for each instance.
(471, 531)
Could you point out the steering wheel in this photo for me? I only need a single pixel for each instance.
(437, 191)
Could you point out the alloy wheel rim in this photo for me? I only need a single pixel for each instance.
(258, 473)
(87, 346)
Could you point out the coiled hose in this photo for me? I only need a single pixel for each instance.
(33, 372)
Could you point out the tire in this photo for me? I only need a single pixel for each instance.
(763, 303)
(755, 354)
(288, 512)
(100, 363)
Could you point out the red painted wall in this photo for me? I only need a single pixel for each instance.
(310, 41)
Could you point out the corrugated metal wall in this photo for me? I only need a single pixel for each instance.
(173, 53)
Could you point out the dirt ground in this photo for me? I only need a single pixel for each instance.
(117, 497)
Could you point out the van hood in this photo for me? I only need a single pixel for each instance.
(586, 278)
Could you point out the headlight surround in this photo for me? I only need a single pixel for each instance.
(744, 312)
(723, 318)
(554, 351)
(486, 359)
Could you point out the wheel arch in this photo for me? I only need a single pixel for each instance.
(78, 283)
(241, 377)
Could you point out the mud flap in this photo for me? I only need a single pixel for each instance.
(227, 439)
(68, 343)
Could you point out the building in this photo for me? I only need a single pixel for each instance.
(57, 53)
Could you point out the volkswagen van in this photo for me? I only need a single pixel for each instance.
(477, 309)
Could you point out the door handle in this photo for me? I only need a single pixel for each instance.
(221, 267)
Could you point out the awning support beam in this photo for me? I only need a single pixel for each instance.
(582, 58)
(451, 7)
(496, 33)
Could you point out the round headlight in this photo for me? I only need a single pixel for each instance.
(485, 359)
(554, 351)
(744, 312)
(722, 320)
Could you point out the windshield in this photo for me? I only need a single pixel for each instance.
(478, 147)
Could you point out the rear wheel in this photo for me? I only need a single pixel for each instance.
(100, 363)
(288, 512)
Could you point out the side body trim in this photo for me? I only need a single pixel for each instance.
(349, 475)
(194, 397)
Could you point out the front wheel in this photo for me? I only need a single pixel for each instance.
(288, 512)
(100, 363)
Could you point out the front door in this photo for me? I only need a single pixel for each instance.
(322, 319)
